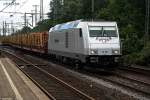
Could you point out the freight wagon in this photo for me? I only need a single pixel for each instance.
(36, 42)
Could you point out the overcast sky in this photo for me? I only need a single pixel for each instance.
(24, 6)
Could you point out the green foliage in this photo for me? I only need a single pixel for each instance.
(74, 9)
(24, 30)
(144, 58)
(126, 14)
(43, 26)
(56, 9)
(131, 58)
(132, 44)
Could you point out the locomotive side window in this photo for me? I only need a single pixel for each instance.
(80, 32)
(56, 40)
(66, 39)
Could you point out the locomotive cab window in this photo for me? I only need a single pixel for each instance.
(95, 31)
(102, 31)
(109, 32)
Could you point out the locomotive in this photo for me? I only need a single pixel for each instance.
(85, 41)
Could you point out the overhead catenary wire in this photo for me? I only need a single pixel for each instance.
(20, 12)
(22, 5)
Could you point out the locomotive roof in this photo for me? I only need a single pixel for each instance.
(72, 24)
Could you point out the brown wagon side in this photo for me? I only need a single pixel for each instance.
(36, 42)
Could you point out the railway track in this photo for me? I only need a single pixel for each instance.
(122, 79)
(52, 86)
(130, 83)
(138, 70)
(134, 85)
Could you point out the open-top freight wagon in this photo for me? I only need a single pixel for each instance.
(36, 42)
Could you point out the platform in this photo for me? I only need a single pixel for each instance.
(14, 85)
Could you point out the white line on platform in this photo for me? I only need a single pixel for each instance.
(18, 96)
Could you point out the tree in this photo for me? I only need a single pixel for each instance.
(130, 17)
(56, 9)
(74, 9)
(43, 25)
(25, 30)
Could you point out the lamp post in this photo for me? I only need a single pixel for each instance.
(41, 10)
(147, 19)
(92, 6)
(62, 2)
(148, 12)
(12, 27)
(35, 13)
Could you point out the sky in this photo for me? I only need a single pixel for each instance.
(24, 6)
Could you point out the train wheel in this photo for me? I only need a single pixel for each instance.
(79, 64)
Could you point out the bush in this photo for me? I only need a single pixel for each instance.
(140, 58)
(131, 58)
(144, 58)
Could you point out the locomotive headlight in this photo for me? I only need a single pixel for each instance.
(94, 51)
(115, 51)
